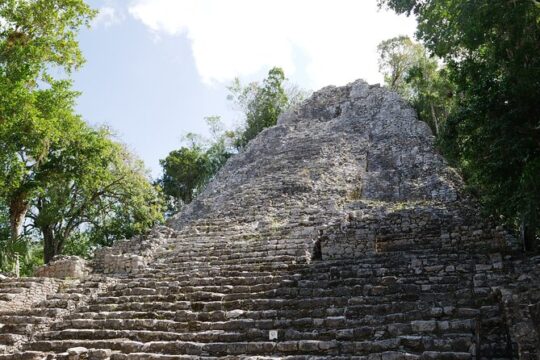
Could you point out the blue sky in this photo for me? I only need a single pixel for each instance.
(156, 68)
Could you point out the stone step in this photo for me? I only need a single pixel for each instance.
(322, 280)
(138, 306)
(147, 356)
(11, 339)
(219, 256)
(7, 297)
(177, 302)
(54, 303)
(280, 309)
(413, 284)
(66, 296)
(206, 268)
(290, 297)
(301, 347)
(23, 319)
(456, 340)
(211, 241)
(353, 287)
(230, 244)
(227, 272)
(184, 312)
(286, 279)
(413, 322)
(290, 266)
(17, 329)
(15, 285)
(27, 355)
(12, 290)
(168, 290)
(25, 280)
(389, 355)
(37, 311)
(244, 261)
(242, 254)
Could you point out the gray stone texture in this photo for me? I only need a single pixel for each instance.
(340, 231)
(64, 267)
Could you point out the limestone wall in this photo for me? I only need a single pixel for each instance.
(519, 293)
(23, 293)
(131, 256)
(411, 228)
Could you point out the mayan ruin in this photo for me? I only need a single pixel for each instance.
(339, 233)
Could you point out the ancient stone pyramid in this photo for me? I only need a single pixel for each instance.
(340, 233)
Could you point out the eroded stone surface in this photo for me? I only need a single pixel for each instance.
(318, 159)
(340, 233)
(131, 256)
(64, 267)
(17, 294)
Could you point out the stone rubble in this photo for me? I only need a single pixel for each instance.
(64, 267)
(130, 256)
(339, 233)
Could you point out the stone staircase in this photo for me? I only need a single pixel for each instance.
(16, 319)
(51, 301)
(340, 233)
(216, 300)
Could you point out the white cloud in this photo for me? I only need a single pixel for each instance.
(107, 16)
(331, 41)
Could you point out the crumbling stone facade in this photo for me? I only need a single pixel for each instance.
(339, 233)
(131, 256)
(64, 267)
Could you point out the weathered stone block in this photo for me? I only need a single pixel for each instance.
(424, 325)
(64, 267)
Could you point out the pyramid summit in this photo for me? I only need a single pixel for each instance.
(352, 151)
(339, 233)
(357, 136)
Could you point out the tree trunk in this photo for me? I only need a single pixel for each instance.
(18, 206)
(53, 244)
(529, 237)
(50, 247)
(435, 120)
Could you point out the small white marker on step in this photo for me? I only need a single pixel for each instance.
(273, 334)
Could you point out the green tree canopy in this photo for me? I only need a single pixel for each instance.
(184, 172)
(58, 176)
(419, 78)
(397, 56)
(105, 194)
(261, 104)
(36, 37)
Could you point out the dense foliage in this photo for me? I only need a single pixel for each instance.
(397, 56)
(60, 179)
(186, 171)
(35, 108)
(419, 78)
(492, 52)
(106, 195)
(262, 104)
